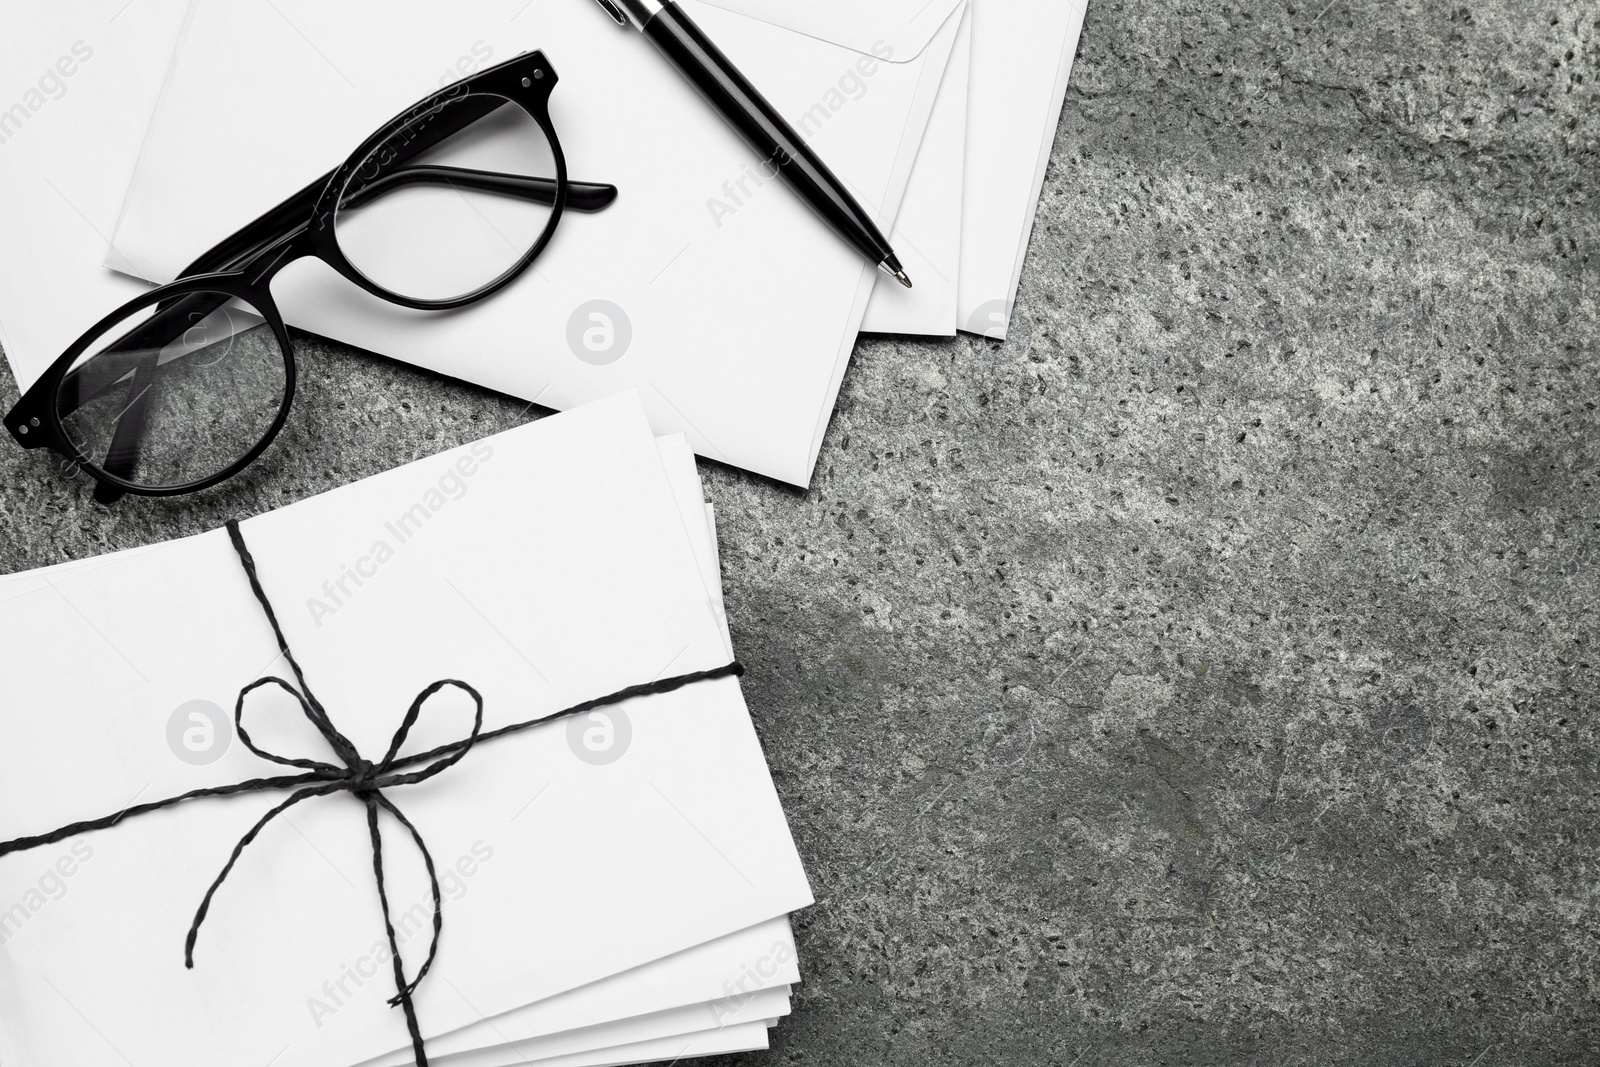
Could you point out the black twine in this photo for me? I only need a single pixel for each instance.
(359, 777)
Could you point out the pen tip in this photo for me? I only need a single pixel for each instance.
(891, 267)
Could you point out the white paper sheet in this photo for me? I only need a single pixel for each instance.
(302, 879)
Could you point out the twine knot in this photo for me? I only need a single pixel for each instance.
(361, 777)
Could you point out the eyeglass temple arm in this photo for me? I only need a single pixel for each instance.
(123, 452)
(140, 366)
(290, 215)
(139, 346)
(581, 196)
(136, 347)
(293, 212)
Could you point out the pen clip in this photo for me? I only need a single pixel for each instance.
(614, 11)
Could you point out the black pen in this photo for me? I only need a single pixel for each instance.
(731, 93)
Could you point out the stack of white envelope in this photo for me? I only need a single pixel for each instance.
(616, 886)
(154, 128)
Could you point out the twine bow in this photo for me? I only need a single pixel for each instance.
(359, 777)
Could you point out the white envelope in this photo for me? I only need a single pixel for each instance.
(746, 1037)
(676, 1023)
(1022, 52)
(501, 1033)
(298, 910)
(65, 167)
(905, 25)
(1021, 60)
(927, 232)
(724, 301)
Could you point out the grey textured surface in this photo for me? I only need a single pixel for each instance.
(1206, 675)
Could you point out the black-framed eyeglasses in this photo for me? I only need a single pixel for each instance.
(443, 206)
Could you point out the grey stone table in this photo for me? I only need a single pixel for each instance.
(1207, 674)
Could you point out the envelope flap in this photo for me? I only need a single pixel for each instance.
(894, 30)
